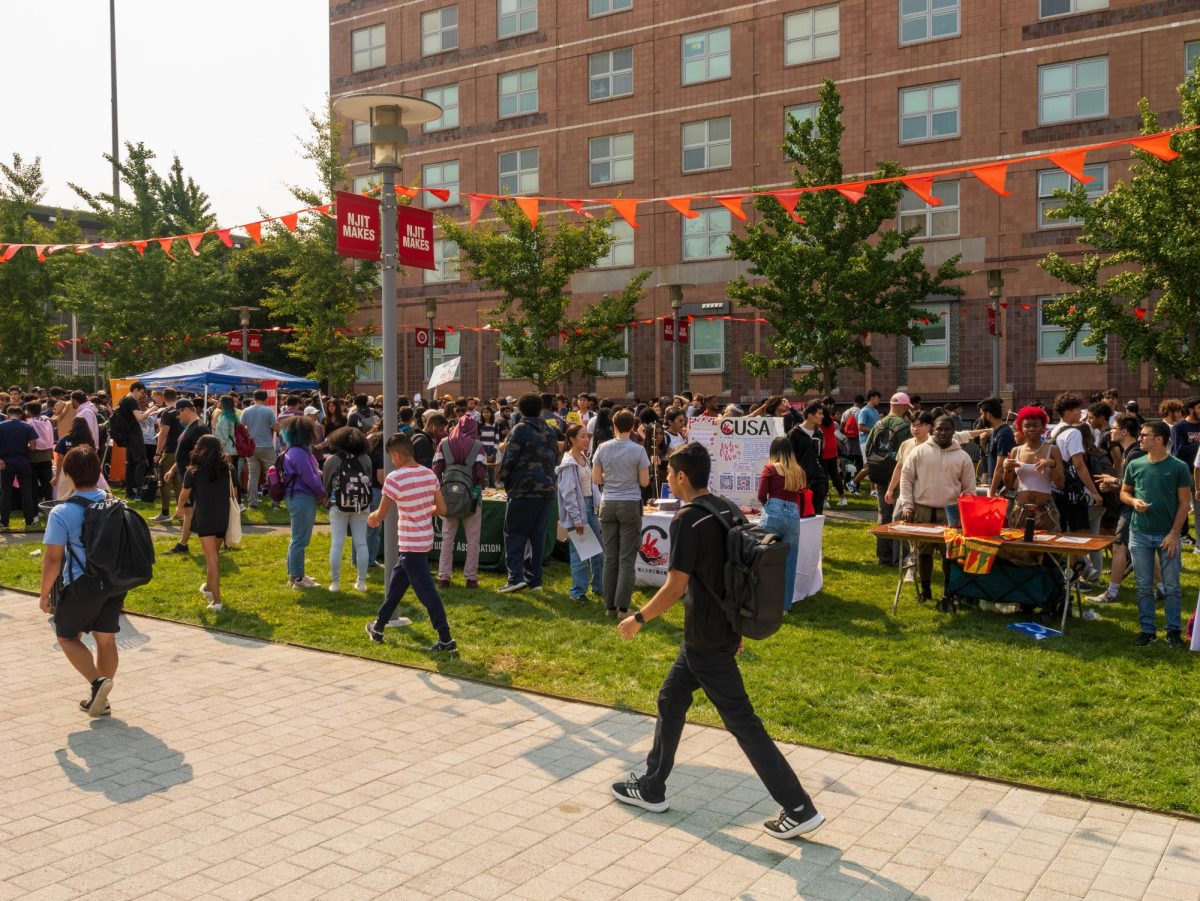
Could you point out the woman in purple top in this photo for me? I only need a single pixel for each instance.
(304, 491)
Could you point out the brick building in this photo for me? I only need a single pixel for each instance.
(633, 98)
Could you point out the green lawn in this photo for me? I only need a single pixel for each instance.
(1086, 713)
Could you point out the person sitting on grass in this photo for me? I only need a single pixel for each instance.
(417, 496)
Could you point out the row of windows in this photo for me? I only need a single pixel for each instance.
(936, 348)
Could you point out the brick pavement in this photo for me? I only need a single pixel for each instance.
(237, 769)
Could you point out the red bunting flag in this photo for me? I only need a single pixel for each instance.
(577, 206)
(529, 206)
(1071, 162)
(440, 193)
(290, 221)
(41, 252)
(733, 204)
(853, 192)
(788, 200)
(223, 234)
(324, 209)
(10, 252)
(1139, 313)
(406, 191)
(140, 246)
(194, 241)
(1157, 145)
(994, 177)
(165, 244)
(683, 206)
(254, 229)
(627, 210)
(478, 203)
(923, 188)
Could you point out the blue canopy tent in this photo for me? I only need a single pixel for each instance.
(221, 373)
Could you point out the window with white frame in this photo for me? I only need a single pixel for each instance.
(707, 236)
(439, 30)
(705, 55)
(440, 175)
(925, 20)
(516, 17)
(367, 48)
(604, 7)
(933, 221)
(445, 257)
(1191, 53)
(372, 370)
(610, 74)
(621, 252)
(1051, 336)
(616, 366)
(810, 35)
(1048, 8)
(518, 92)
(364, 183)
(446, 97)
(936, 347)
(439, 355)
(1071, 91)
(519, 171)
(360, 132)
(610, 159)
(706, 145)
(801, 113)
(1051, 180)
(930, 111)
(707, 345)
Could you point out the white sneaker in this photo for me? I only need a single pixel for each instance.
(241, 508)
(1103, 597)
(843, 503)
(1091, 615)
(360, 585)
(215, 607)
(399, 622)
(335, 586)
(204, 591)
(308, 582)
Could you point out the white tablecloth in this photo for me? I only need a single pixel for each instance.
(655, 549)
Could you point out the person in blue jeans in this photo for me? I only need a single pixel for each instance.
(527, 473)
(1158, 487)
(304, 491)
(783, 492)
(578, 498)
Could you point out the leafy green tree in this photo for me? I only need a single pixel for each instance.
(1141, 280)
(531, 267)
(826, 283)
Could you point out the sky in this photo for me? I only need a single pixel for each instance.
(223, 84)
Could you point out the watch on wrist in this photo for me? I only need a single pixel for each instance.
(637, 616)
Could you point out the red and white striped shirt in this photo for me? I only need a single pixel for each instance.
(412, 489)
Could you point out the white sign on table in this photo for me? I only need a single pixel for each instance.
(739, 447)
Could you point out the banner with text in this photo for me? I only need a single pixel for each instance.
(739, 448)
(357, 226)
(415, 229)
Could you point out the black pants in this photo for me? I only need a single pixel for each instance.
(833, 470)
(22, 472)
(43, 472)
(525, 522)
(718, 674)
(412, 571)
(820, 490)
(135, 467)
(1072, 514)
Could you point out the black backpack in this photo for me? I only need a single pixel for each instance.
(120, 552)
(458, 482)
(352, 488)
(882, 445)
(755, 571)
(118, 429)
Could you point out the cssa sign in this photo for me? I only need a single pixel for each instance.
(357, 226)
(751, 426)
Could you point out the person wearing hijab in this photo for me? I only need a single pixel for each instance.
(463, 447)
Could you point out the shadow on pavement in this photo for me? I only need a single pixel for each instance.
(124, 762)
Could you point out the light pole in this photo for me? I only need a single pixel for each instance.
(116, 147)
(676, 289)
(244, 316)
(995, 288)
(430, 315)
(388, 115)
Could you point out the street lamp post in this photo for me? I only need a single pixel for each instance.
(676, 293)
(244, 316)
(995, 288)
(389, 114)
(430, 314)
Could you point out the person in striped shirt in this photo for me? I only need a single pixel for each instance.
(417, 496)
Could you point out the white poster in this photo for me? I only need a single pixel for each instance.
(739, 447)
(443, 373)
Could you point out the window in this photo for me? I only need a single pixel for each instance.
(936, 346)
(1047, 8)
(705, 56)
(1191, 52)
(929, 112)
(439, 355)
(616, 366)
(519, 171)
(610, 159)
(367, 48)
(516, 17)
(933, 221)
(445, 257)
(439, 30)
(923, 20)
(372, 370)
(621, 252)
(706, 145)
(604, 7)
(708, 345)
(518, 92)
(360, 132)
(610, 74)
(1051, 180)
(447, 98)
(440, 175)
(364, 183)
(1070, 91)
(810, 35)
(801, 113)
(1051, 335)
(707, 236)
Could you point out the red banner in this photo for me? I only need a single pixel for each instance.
(415, 230)
(272, 388)
(422, 337)
(357, 226)
(255, 342)
(669, 331)
(683, 331)
(992, 326)
(235, 342)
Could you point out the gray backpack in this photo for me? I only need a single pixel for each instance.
(458, 481)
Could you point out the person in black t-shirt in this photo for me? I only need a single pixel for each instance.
(130, 414)
(192, 431)
(707, 659)
(806, 440)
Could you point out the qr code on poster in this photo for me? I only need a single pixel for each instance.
(726, 481)
(745, 482)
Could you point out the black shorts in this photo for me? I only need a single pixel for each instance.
(82, 608)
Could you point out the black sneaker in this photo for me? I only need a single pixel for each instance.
(98, 702)
(1175, 640)
(86, 704)
(376, 635)
(178, 549)
(789, 824)
(924, 595)
(630, 792)
(450, 646)
(1144, 639)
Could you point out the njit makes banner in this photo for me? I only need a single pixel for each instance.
(739, 448)
(357, 226)
(414, 228)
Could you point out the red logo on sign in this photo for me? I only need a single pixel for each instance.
(422, 335)
(255, 343)
(357, 226)
(414, 229)
(668, 330)
(649, 551)
(683, 331)
(235, 341)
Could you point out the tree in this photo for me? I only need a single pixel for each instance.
(827, 282)
(531, 267)
(318, 292)
(1142, 282)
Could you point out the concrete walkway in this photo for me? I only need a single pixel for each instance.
(237, 769)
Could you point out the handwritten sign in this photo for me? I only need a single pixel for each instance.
(739, 448)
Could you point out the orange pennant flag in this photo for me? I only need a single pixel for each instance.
(1071, 162)
(55, 248)
(254, 229)
(529, 206)
(406, 191)
(577, 206)
(733, 204)
(994, 177)
(627, 209)
(140, 246)
(683, 206)
(853, 192)
(290, 221)
(478, 204)
(194, 241)
(41, 252)
(165, 244)
(83, 248)
(1156, 145)
(223, 234)
(10, 251)
(788, 200)
(324, 209)
(440, 193)
(923, 188)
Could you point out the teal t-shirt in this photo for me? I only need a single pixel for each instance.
(1158, 484)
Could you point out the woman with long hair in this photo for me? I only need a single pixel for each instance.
(489, 434)
(208, 483)
(349, 501)
(578, 501)
(303, 491)
(829, 450)
(783, 491)
(603, 430)
(335, 416)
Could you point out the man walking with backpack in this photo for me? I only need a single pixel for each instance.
(882, 444)
(708, 657)
(461, 466)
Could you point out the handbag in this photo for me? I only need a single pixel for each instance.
(233, 531)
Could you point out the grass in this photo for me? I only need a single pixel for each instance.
(1086, 713)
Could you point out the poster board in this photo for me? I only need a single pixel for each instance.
(117, 389)
(739, 447)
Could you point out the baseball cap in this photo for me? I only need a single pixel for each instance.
(184, 404)
(900, 399)
(310, 411)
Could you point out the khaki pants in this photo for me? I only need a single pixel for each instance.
(167, 487)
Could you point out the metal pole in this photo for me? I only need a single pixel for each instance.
(675, 359)
(74, 345)
(245, 337)
(388, 325)
(996, 348)
(116, 147)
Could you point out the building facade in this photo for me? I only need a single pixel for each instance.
(632, 98)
